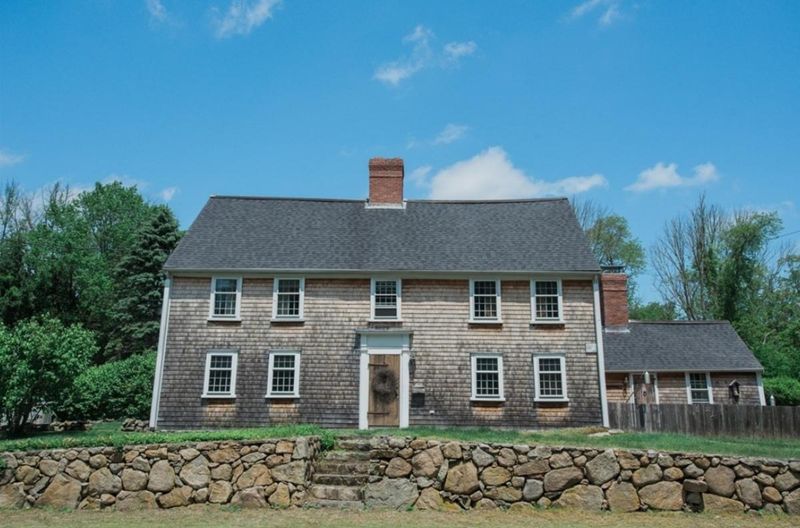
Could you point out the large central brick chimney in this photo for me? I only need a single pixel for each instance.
(614, 297)
(386, 181)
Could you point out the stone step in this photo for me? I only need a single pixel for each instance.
(346, 455)
(324, 503)
(350, 443)
(336, 493)
(336, 467)
(340, 479)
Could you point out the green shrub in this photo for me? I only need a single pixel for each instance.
(785, 389)
(118, 389)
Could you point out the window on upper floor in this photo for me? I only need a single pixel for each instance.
(546, 301)
(220, 374)
(385, 297)
(288, 298)
(550, 378)
(484, 300)
(284, 375)
(487, 377)
(226, 296)
(698, 387)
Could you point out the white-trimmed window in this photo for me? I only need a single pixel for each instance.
(284, 374)
(220, 375)
(484, 300)
(226, 298)
(288, 298)
(698, 387)
(385, 296)
(546, 301)
(487, 377)
(550, 378)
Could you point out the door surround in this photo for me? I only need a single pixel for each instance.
(383, 342)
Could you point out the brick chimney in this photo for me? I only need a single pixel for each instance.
(386, 181)
(614, 297)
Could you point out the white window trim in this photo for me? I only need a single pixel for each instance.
(709, 388)
(236, 316)
(498, 296)
(399, 285)
(300, 315)
(474, 375)
(537, 383)
(296, 393)
(534, 319)
(234, 368)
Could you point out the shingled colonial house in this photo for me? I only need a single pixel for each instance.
(391, 312)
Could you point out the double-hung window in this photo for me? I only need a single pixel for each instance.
(287, 298)
(484, 300)
(550, 375)
(220, 375)
(226, 297)
(386, 299)
(546, 303)
(487, 377)
(284, 375)
(698, 387)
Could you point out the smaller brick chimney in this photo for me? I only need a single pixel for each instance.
(386, 181)
(614, 297)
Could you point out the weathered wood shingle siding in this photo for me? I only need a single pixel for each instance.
(437, 313)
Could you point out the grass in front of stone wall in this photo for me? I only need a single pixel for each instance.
(202, 517)
(773, 448)
(109, 434)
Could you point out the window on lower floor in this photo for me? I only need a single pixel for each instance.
(698, 385)
(220, 377)
(284, 375)
(550, 378)
(487, 377)
(485, 300)
(287, 298)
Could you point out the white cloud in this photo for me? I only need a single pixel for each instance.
(419, 176)
(608, 11)
(243, 16)
(491, 175)
(168, 193)
(450, 134)
(158, 13)
(8, 158)
(662, 176)
(422, 56)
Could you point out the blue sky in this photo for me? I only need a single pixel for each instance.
(637, 105)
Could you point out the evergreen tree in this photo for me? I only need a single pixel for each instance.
(136, 313)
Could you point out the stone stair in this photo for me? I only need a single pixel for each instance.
(340, 476)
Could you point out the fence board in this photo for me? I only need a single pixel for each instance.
(724, 420)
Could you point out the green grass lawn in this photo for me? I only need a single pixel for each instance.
(108, 434)
(202, 517)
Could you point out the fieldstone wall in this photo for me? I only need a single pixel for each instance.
(251, 474)
(434, 475)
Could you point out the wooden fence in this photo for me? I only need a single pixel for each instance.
(725, 420)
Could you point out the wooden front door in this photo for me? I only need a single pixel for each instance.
(384, 390)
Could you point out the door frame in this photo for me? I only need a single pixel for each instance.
(383, 342)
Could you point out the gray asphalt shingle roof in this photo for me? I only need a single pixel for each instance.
(242, 233)
(677, 346)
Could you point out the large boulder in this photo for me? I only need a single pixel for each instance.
(257, 475)
(426, 463)
(429, 499)
(537, 466)
(133, 480)
(663, 495)
(62, 493)
(462, 479)
(622, 497)
(504, 493)
(786, 481)
(452, 450)
(219, 492)
(280, 498)
(136, 500)
(720, 480)
(588, 498)
(196, 473)
(250, 498)
(716, 504)
(13, 495)
(397, 467)
(391, 493)
(532, 490)
(749, 493)
(481, 457)
(495, 476)
(162, 477)
(294, 472)
(224, 456)
(792, 502)
(603, 467)
(177, 497)
(79, 470)
(647, 475)
(103, 481)
(48, 467)
(560, 479)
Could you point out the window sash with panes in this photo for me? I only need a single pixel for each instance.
(386, 297)
(698, 385)
(283, 375)
(550, 378)
(487, 377)
(225, 297)
(288, 298)
(220, 375)
(547, 303)
(484, 300)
